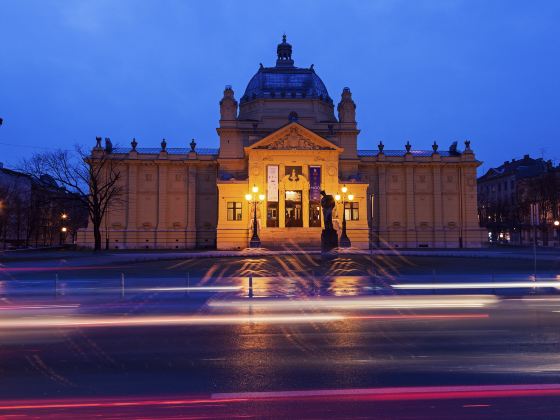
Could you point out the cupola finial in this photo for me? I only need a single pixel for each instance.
(284, 52)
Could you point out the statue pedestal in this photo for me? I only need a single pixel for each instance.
(329, 240)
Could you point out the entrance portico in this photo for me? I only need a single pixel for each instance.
(290, 166)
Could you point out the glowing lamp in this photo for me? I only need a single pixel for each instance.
(261, 197)
(557, 223)
(64, 229)
(350, 197)
(64, 216)
(344, 189)
(337, 197)
(255, 189)
(248, 197)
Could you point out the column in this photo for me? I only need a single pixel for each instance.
(281, 206)
(305, 206)
(382, 204)
(190, 238)
(438, 208)
(411, 237)
(131, 238)
(161, 234)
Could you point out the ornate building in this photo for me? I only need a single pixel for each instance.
(280, 145)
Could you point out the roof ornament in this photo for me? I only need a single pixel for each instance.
(407, 146)
(380, 146)
(467, 145)
(163, 145)
(453, 148)
(284, 53)
(435, 147)
(134, 143)
(108, 145)
(193, 145)
(98, 142)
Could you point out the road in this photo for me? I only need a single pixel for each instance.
(343, 345)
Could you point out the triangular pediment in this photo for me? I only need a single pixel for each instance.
(293, 136)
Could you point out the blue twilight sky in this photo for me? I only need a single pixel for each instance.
(486, 70)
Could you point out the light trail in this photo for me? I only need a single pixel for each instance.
(174, 320)
(326, 395)
(378, 302)
(33, 307)
(404, 393)
(192, 289)
(421, 317)
(162, 320)
(482, 285)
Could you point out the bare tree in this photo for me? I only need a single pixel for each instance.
(93, 177)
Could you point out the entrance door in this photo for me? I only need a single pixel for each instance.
(294, 213)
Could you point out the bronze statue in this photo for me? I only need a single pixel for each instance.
(327, 204)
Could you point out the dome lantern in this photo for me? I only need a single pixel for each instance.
(284, 52)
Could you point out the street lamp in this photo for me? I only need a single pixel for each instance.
(344, 240)
(63, 232)
(63, 229)
(254, 199)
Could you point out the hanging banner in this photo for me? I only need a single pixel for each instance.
(272, 183)
(315, 183)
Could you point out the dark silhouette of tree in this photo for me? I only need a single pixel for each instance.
(94, 178)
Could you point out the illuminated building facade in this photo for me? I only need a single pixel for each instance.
(280, 145)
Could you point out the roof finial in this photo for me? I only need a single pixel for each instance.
(284, 52)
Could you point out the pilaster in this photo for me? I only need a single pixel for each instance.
(131, 210)
(162, 224)
(438, 210)
(382, 203)
(411, 238)
(190, 235)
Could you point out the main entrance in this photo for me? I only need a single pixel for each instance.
(293, 205)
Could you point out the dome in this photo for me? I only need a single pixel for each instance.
(285, 81)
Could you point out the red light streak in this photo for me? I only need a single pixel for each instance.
(363, 394)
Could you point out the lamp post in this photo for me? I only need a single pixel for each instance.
(254, 198)
(344, 240)
(63, 228)
(557, 225)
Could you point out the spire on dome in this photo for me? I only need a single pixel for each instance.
(284, 51)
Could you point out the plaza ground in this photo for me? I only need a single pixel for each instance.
(87, 335)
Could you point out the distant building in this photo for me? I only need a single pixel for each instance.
(283, 140)
(37, 212)
(506, 195)
(15, 205)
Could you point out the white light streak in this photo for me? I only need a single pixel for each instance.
(162, 320)
(377, 302)
(194, 289)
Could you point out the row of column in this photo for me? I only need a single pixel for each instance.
(382, 200)
(162, 202)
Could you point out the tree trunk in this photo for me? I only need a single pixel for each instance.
(97, 235)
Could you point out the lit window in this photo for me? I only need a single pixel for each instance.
(351, 211)
(234, 210)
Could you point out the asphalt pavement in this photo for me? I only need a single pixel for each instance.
(184, 339)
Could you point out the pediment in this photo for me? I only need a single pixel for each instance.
(294, 137)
